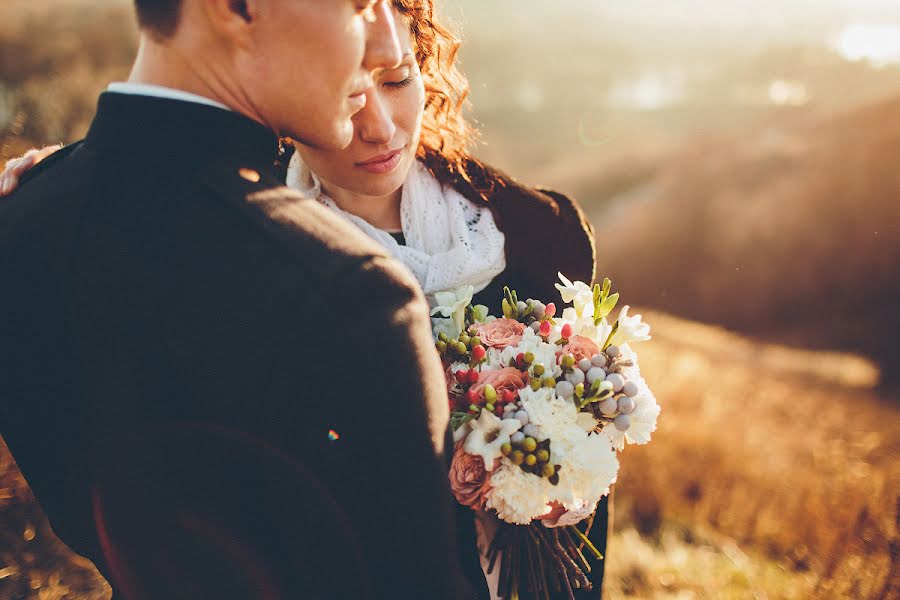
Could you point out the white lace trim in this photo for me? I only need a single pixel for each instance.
(450, 242)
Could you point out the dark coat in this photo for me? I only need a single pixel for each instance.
(546, 233)
(214, 387)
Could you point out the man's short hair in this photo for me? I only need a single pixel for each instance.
(158, 17)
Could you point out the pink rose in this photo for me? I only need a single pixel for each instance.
(501, 333)
(469, 481)
(507, 378)
(581, 347)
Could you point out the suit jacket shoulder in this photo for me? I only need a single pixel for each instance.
(307, 231)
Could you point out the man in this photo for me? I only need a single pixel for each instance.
(216, 388)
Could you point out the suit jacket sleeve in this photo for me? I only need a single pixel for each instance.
(396, 491)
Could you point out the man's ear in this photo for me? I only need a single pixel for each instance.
(232, 19)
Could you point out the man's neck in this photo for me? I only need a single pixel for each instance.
(166, 66)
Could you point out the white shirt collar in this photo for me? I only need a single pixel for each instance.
(158, 91)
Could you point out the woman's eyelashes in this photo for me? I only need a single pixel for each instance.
(399, 84)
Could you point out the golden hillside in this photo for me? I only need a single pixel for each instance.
(791, 233)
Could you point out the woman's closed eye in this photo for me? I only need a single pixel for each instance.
(399, 84)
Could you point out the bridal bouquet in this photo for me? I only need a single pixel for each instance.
(540, 404)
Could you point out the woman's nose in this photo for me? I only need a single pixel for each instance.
(374, 123)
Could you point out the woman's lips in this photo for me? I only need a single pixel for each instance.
(383, 163)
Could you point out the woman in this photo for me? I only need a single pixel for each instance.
(407, 180)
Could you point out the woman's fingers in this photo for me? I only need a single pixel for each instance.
(17, 167)
(9, 179)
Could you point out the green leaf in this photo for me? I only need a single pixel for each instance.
(458, 419)
(615, 328)
(605, 308)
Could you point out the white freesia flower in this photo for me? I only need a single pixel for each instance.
(487, 435)
(646, 412)
(452, 305)
(517, 496)
(579, 294)
(631, 329)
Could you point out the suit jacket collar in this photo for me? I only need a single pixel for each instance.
(174, 130)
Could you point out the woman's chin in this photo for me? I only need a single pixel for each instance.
(381, 184)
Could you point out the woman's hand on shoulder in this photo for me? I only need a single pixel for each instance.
(16, 167)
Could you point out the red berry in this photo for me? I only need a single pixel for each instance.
(478, 353)
(550, 310)
(545, 328)
(498, 410)
(460, 376)
(566, 331)
(472, 376)
(508, 396)
(472, 397)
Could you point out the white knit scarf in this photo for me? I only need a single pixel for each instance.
(450, 242)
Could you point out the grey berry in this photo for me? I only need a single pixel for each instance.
(616, 380)
(609, 407)
(622, 423)
(594, 374)
(598, 360)
(626, 405)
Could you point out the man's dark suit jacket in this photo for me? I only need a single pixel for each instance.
(214, 387)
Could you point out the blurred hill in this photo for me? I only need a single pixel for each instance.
(791, 234)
